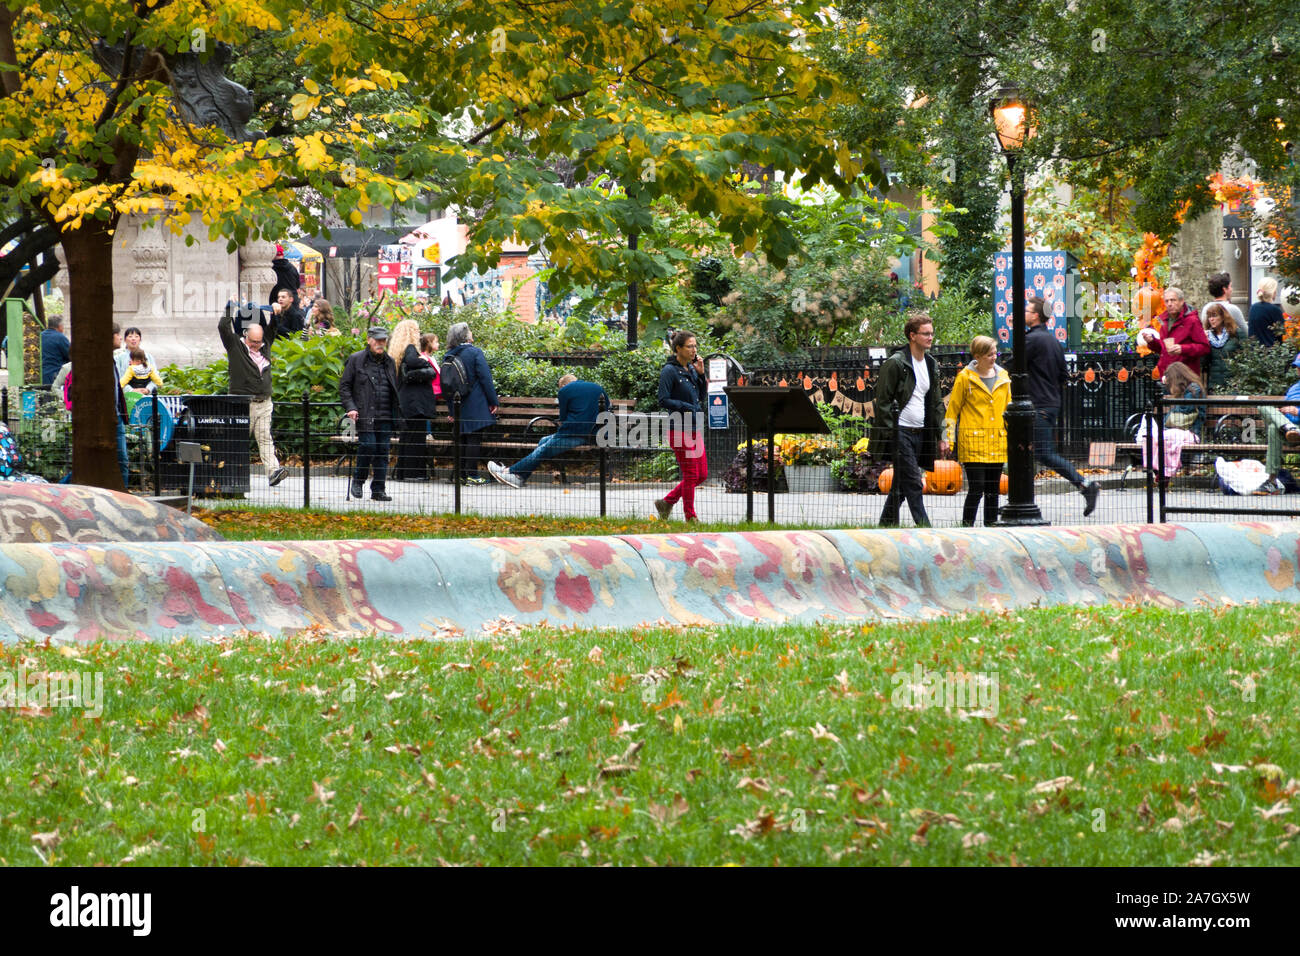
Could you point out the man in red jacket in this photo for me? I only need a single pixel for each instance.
(1182, 339)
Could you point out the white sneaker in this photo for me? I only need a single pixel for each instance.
(502, 474)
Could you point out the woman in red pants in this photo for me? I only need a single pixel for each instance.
(682, 391)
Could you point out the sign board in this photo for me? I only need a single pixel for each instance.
(717, 370)
(1235, 229)
(1047, 274)
(718, 410)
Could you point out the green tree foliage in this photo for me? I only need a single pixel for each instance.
(1156, 91)
(822, 295)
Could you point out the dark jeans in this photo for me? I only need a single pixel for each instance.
(909, 479)
(1045, 445)
(373, 453)
(552, 446)
(470, 452)
(982, 481)
(414, 453)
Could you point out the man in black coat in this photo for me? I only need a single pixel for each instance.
(909, 379)
(1045, 360)
(368, 390)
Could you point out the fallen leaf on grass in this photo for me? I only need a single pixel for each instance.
(668, 814)
(1050, 786)
(46, 841)
(754, 786)
(970, 840)
(1276, 810)
(821, 733)
(1228, 767)
(320, 793)
(357, 816)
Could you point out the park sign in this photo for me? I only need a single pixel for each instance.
(1050, 275)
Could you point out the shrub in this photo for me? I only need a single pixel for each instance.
(660, 467)
(1260, 370)
(633, 375)
(733, 479)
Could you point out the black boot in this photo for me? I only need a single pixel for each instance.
(377, 494)
(357, 489)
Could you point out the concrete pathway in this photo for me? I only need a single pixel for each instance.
(1057, 501)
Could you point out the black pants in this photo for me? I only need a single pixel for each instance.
(470, 451)
(909, 480)
(372, 455)
(982, 481)
(414, 454)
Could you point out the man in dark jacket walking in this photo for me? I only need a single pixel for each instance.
(908, 379)
(249, 359)
(1045, 357)
(368, 390)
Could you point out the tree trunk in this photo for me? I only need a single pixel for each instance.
(89, 252)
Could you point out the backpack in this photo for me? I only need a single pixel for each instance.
(453, 378)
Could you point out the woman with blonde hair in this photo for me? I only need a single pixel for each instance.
(406, 332)
(975, 426)
(1265, 315)
(418, 373)
(1181, 382)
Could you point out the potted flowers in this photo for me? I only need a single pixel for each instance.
(807, 461)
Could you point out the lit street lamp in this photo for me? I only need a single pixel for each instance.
(1011, 117)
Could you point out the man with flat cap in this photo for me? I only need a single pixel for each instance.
(368, 390)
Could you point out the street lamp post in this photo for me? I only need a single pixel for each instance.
(1012, 120)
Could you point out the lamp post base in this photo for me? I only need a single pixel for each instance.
(1021, 510)
(1021, 516)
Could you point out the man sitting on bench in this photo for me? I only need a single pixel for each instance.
(580, 405)
(1283, 427)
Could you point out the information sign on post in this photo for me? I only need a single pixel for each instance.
(1048, 275)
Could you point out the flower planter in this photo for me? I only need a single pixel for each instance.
(804, 478)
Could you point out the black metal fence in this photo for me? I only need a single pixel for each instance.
(631, 468)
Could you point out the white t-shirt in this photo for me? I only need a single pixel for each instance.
(913, 413)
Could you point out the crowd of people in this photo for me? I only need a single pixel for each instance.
(397, 383)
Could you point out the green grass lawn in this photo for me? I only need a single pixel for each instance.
(282, 524)
(1117, 736)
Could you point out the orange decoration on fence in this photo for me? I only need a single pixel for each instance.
(807, 383)
(1122, 375)
(783, 383)
(834, 383)
(1090, 375)
(1155, 374)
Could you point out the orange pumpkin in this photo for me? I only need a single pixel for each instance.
(885, 481)
(1148, 303)
(945, 479)
(1004, 485)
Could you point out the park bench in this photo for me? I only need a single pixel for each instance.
(521, 422)
(1225, 424)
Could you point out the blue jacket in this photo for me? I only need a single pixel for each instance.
(55, 351)
(475, 414)
(682, 390)
(1293, 396)
(580, 404)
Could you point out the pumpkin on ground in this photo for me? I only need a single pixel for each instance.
(1004, 484)
(945, 479)
(885, 481)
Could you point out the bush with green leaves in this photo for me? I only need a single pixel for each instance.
(633, 374)
(658, 467)
(1260, 370)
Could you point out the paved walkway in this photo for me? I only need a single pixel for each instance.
(1059, 503)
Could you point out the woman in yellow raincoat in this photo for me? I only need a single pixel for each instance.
(980, 395)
